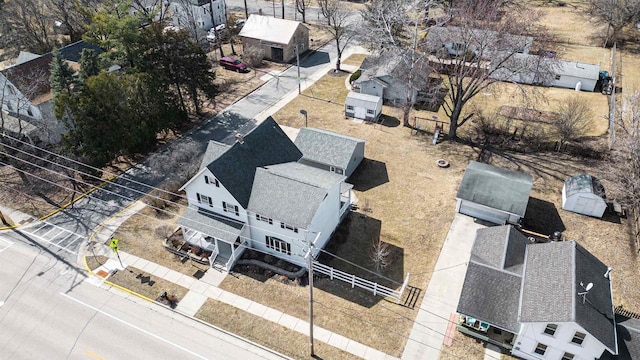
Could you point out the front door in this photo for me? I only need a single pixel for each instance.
(360, 113)
(277, 54)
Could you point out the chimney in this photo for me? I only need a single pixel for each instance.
(239, 138)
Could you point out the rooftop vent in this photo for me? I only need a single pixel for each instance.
(239, 138)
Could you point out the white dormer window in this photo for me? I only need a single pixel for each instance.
(551, 329)
(578, 338)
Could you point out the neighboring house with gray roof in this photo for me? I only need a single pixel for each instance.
(258, 193)
(330, 151)
(493, 194)
(537, 300)
(584, 194)
(386, 76)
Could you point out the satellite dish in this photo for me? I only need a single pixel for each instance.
(589, 286)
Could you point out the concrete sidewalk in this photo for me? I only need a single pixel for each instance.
(441, 298)
(201, 289)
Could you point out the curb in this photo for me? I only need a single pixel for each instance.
(101, 185)
(109, 283)
(9, 227)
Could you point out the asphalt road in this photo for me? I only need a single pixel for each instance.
(49, 310)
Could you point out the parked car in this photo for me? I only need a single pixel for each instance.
(230, 63)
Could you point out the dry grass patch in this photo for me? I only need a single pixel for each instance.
(265, 332)
(567, 23)
(142, 235)
(463, 347)
(355, 59)
(146, 284)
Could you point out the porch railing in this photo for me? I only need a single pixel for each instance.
(364, 284)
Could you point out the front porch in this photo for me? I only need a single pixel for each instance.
(225, 238)
(485, 332)
(345, 199)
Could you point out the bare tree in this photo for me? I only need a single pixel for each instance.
(187, 17)
(341, 28)
(617, 14)
(27, 24)
(488, 44)
(573, 119)
(380, 254)
(178, 161)
(253, 56)
(301, 8)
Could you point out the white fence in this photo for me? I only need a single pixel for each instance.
(355, 281)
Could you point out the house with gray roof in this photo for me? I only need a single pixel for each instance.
(493, 194)
(537, 300)
(337, 153)
(259, 193)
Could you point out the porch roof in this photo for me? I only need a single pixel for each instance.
(211, 224)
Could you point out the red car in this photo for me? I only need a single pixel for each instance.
(230, 63)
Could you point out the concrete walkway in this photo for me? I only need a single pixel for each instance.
(441, 298)
(200, 290)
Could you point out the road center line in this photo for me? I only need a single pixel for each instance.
(134, 327)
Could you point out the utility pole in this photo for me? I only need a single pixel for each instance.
(298, 65)
(246, 12)
(310, 255)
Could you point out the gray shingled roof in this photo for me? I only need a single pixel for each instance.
(326, 147)
(489, 40)
(500, 247)
(552, 278)
(265, 145)
(290, 192)
(212, 224)
(214, 150)
(495, 268)
(496, 188)
(492, 296)
(583, 183)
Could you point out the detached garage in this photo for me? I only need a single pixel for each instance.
(584, 194)
(493, 194)
(363, 106)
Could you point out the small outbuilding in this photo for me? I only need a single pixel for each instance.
(493, 194)
(576, 75)
(363, 106)
(278, 38)
(584, 194)
(330, 151)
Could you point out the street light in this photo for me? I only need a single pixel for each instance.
(304, 112)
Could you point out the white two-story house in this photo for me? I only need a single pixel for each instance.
(537, 300)
(256, 194)
(203, 14)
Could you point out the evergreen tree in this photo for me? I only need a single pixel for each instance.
(62, 77)
(89, 64)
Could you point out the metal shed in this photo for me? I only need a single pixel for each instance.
(363, 106)
(493, 194)
(584, 194)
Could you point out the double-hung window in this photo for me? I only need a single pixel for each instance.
(204, 199)
(264, 218)
(288, 227)
(211, 180)
(230, 208)
(540, 349)
(551, 329)
(578, 338)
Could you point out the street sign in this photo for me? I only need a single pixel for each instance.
(114, 244)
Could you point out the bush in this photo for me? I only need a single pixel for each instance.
(355, 76)
(253, 56)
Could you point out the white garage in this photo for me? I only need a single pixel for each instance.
(363, 106)
(584, 194)
(493, 194)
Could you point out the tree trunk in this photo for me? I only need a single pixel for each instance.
(406, 110)
(453, 121)
(339, 57)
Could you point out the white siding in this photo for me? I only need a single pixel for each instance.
(570, 82)
(584, 203)
(533, 333)
(371, 88)
(260, 230)
(326, 218)
(218, 195)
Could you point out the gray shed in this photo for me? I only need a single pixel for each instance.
(493, 194)
(584, 194)
(330, 151)
(363, 106)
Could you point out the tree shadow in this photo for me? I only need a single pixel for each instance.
(369, 174)
(349, 250)
(315, 58)
(542, 217)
